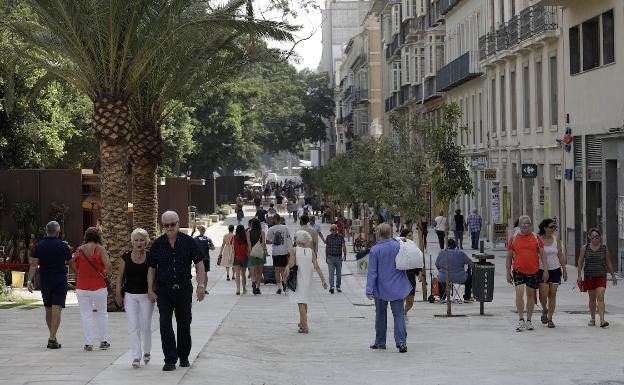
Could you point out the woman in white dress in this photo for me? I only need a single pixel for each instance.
(227, 252)
(305, 258)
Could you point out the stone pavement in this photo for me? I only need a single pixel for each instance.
(253, 340)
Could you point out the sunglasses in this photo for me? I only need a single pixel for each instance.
(525, 224)
(595, 237)
(170, 225)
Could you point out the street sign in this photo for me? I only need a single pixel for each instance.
(500, 233)
(490, 174)
(529, 170)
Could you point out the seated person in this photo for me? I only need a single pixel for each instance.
(457, 259)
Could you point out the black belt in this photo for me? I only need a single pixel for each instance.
(176, 286)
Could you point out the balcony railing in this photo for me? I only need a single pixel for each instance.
(531, 22)
(413, 27)
(392, 47)
(458, 71)
(447, 5)
(361, 95)
(430, 90)
(392, 102)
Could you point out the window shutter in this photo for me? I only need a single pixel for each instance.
(593, 148)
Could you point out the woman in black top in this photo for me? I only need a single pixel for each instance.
(256, 236)
(132, 277)
(458, 228)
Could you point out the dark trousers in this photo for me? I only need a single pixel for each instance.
(440, 238)
(474, 238)
(459, 237)
(467, 287)
(176, 302)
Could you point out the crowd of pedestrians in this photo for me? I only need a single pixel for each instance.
(162, 275)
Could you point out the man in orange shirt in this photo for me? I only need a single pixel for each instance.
(524, 249)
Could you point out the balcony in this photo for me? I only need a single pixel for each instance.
(430, 90)
(447, 5)
(361, 95)
(393, 47)
(457, 72)
(531, 25)
(392, 102)
(347, 92)
(413, 28)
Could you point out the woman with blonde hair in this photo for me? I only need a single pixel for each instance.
(226, 255)
(132, 276)
(304, 258)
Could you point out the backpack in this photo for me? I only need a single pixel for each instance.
(278, 239)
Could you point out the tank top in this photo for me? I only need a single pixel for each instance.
(552, 255)
(595, 265)
(88, 277)
(240, 249)
(135, 275)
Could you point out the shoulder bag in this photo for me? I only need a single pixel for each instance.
(107, 281)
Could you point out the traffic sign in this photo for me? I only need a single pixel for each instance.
(529, 170)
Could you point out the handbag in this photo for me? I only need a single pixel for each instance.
(109, 286)
(409, 256)
(257, 251)
(291, 280)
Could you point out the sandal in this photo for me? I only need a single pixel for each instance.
(136, 364)
(53, 344)
(303, 331)
(88, 348)
(591, 322)
(544, 318)
(146, 358)
(550, 324)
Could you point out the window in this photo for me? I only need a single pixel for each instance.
(430, 61)
(554, 108)
(421, 69)
(439, 57)
(526, 94)
(408, 9)
(591, 44)
(493, 101)
(474, 120)
(406, 66)
(539, 93)
(503, 121)
(480, 118)
(396, 18)
(512, 103)
(396, 76)
(608, 41)
(575, 49)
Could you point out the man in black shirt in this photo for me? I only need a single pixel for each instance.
(51, 255)
(205, 244)
(169, 283)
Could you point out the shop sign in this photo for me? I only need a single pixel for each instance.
(594, 174)
(490, 174)
(495, 204)
(500, 233)
(529, 170)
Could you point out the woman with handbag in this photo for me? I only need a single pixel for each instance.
(226, 255)
(593, 263)
(256, 238)
(132, 276)
(304, 258)
(241, 249)
(91, 264)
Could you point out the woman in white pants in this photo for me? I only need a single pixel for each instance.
(132, 276)
(91, 263)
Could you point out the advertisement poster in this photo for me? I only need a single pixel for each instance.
(495, 200)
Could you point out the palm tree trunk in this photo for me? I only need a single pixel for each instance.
(114, 195)
(145, 197)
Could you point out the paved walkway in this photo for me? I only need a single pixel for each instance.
(253, 340)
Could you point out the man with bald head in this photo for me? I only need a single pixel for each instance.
(386, 285)
(169, 283)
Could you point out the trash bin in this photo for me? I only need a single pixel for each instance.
(483, 282)
(17, 279)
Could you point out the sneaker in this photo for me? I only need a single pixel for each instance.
(205, 291)
(521, 326)
(592, 322)
(184, 363)
(53, 344)
(104, 345)
(544, 318)
(244, 290)
(228, 278)
(375, 347)
(331, 290)
(604, 324)
(279, 291)
(402, 348)
(237, 292)
(338, 290)
(88, 348)
(551, 324)
(528, 325)
(169, 367)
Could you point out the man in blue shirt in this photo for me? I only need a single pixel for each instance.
(457, 259)
(387, 284)
(169, 283)
(474, 225)
(51, 255)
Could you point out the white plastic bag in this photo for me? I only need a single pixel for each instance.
(409, 256)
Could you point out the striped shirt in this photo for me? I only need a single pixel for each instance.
(595, 265)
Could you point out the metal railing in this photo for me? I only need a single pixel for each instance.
(392, 47)
(392, 102)
(482, 47)
(501, 38)
(430, 89)
(458, 71)
(513, 31)
(447, 5)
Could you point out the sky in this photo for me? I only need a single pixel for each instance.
(309, 50)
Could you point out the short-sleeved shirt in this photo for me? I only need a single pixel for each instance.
(457, 259)
(203, 244)
(525, 256)
(441, 224)
(334, 245)
(173, 264)
(52, 254)
(261, 215)
(283, 230)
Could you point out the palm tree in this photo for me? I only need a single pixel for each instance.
(108, 49)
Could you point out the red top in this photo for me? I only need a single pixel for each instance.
(88, 277)
(240, 249)
(526, 258)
